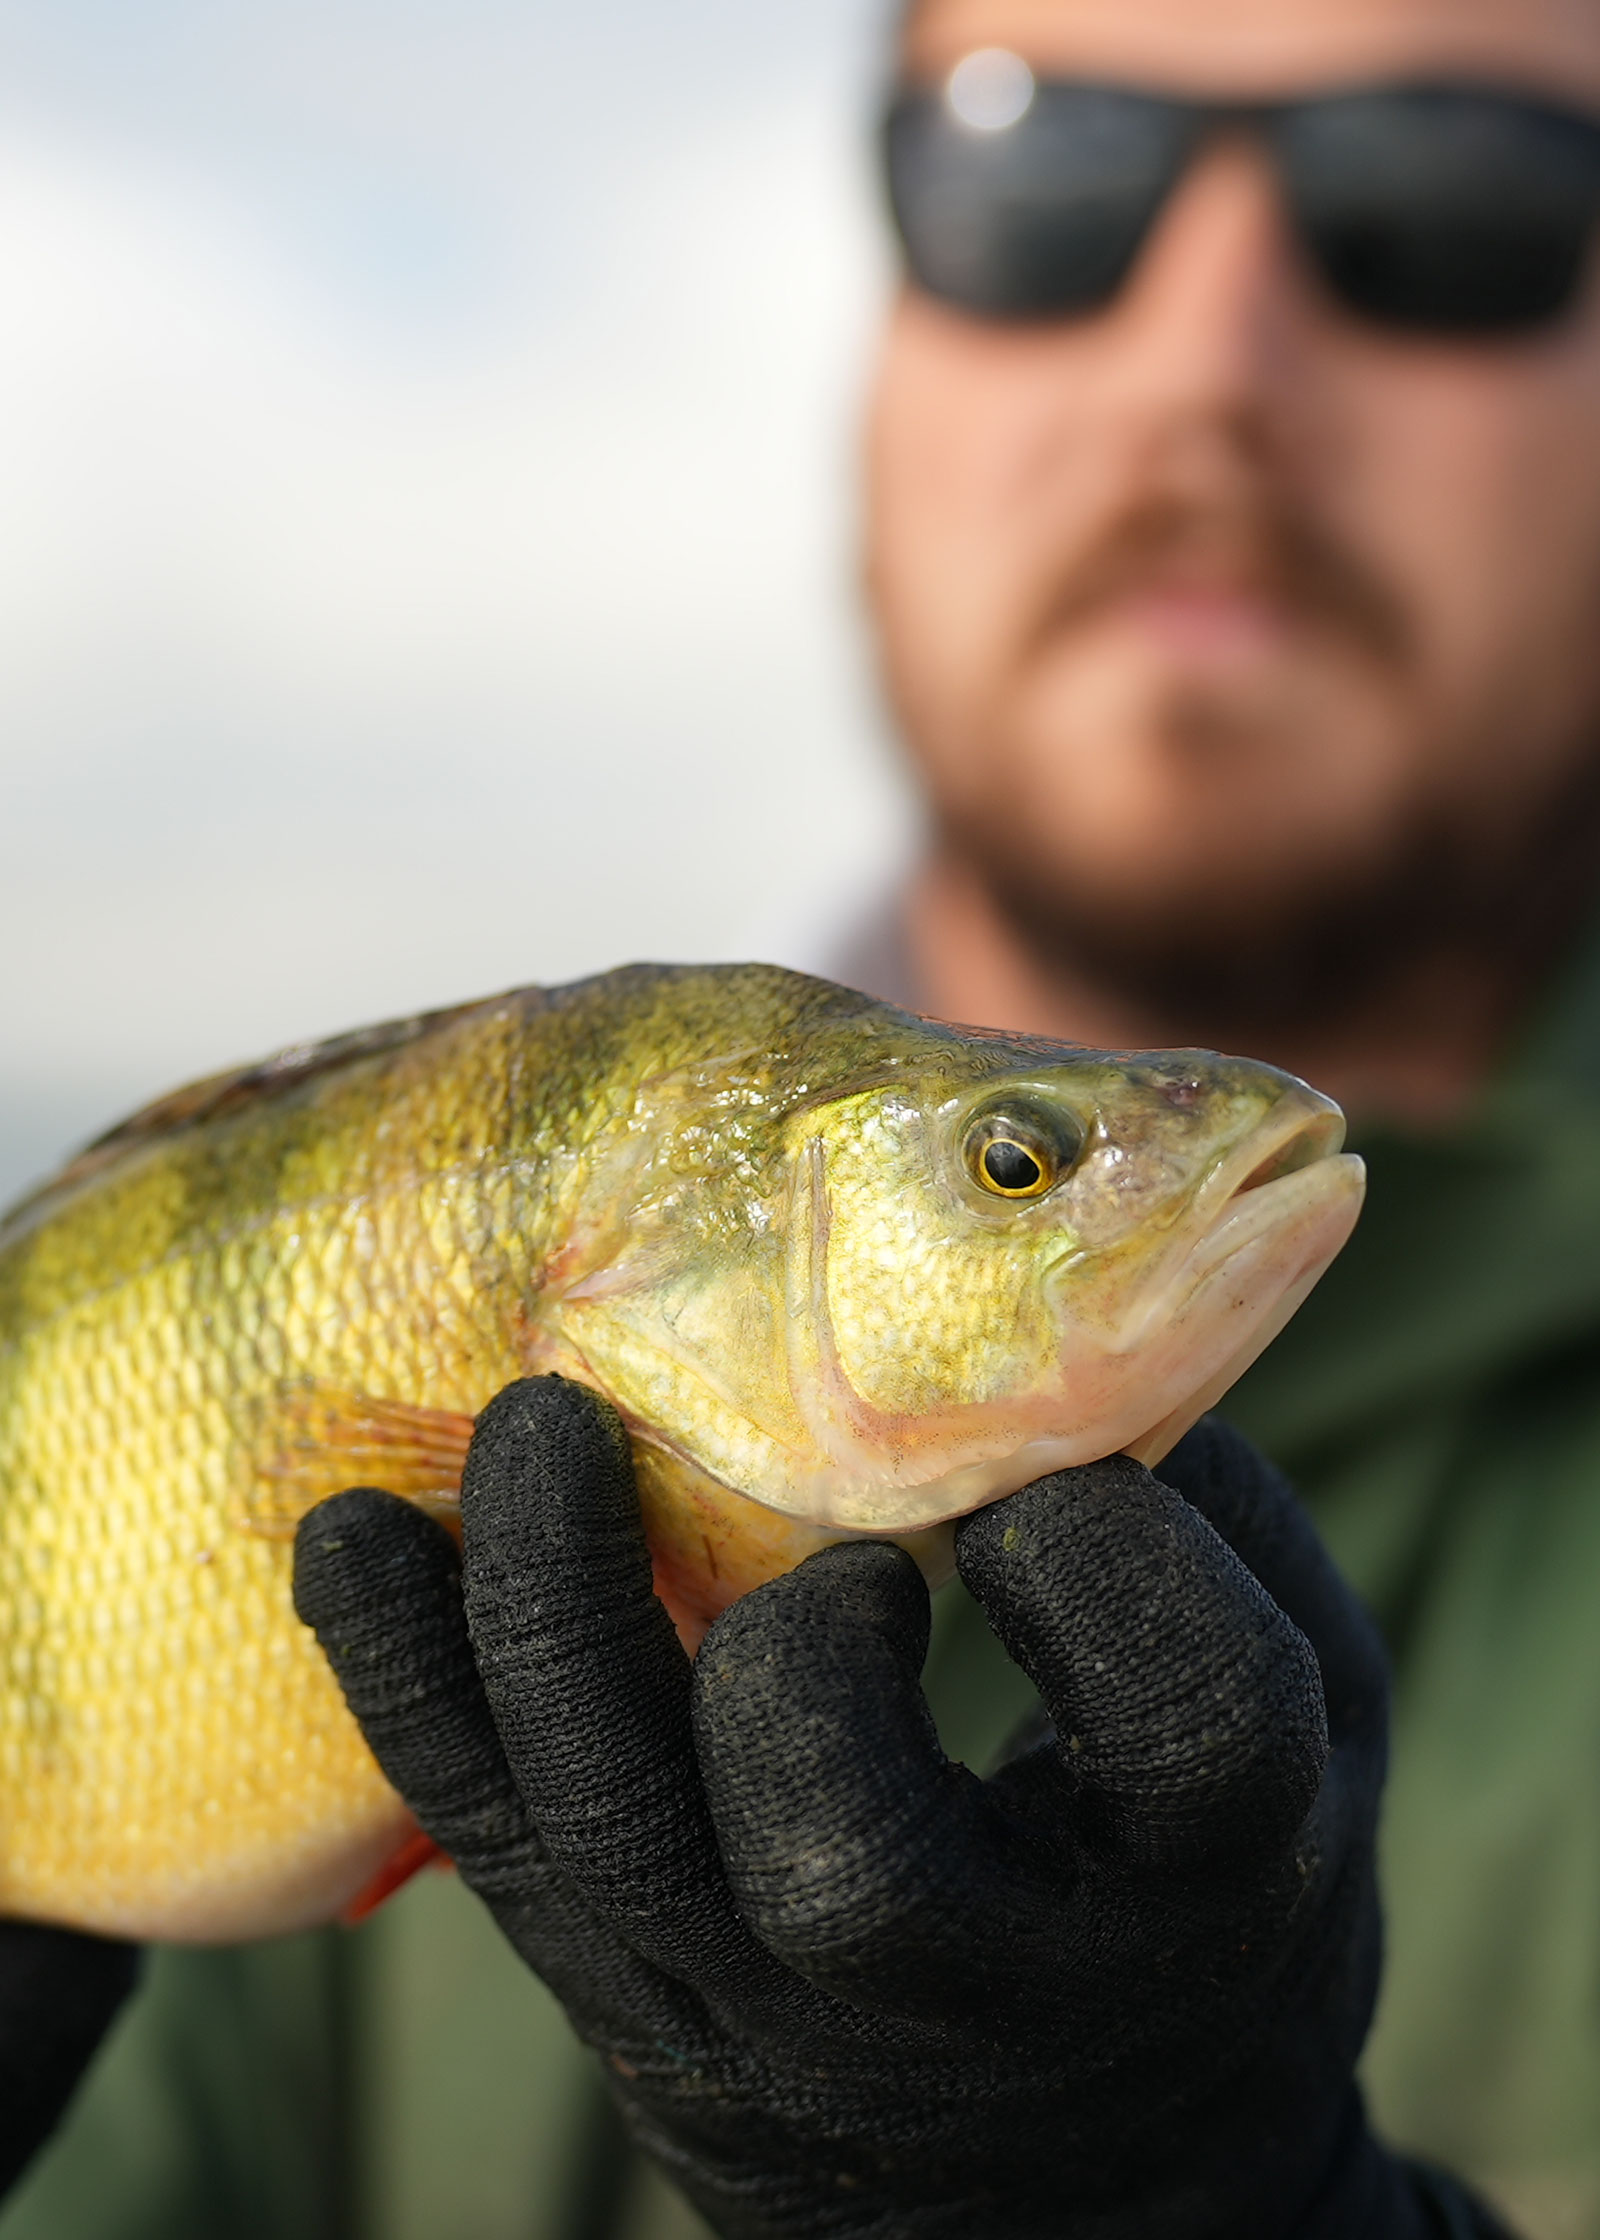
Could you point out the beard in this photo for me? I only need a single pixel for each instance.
(1314, 938)
(1231, 971)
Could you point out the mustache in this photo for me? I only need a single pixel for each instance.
(1263, 545)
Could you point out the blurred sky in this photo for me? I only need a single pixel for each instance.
(426, 512)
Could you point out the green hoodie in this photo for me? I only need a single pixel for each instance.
(1438, 1403)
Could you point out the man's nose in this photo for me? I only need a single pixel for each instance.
(1221, 304)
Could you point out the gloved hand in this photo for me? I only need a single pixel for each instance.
(58, 1995)
(841, 1986)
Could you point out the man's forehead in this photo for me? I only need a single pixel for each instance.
(1266, 46)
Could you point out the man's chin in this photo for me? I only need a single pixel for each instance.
(1203, 943)
(1229, 853)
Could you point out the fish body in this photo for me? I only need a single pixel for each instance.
(841, 1269)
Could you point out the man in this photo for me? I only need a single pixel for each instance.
(1234, 523)
(1243, 633)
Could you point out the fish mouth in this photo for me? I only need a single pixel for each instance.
(1266, 1186)
(1279, 1211)
(1258, 1186)
(1300, 1129)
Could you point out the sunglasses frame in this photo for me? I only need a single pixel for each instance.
(1366, 170)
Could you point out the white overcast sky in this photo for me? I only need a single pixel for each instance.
(425, 512)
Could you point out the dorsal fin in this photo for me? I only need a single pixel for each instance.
(218, 1094)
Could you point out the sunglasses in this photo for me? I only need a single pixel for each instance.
(1452, 210)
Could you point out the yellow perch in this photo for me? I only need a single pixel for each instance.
(842, 1270)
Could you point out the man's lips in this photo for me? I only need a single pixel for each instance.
(1214, 626)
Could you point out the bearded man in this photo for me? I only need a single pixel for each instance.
(1234, 545)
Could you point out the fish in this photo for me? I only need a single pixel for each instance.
(843, 1271)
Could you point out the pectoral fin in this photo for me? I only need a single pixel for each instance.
(313, 1440)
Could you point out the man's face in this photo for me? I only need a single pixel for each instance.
(1221, 625)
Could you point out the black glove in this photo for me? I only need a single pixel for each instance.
(58, 1994)
(843, 1987)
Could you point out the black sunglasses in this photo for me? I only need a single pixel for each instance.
(1442, 209)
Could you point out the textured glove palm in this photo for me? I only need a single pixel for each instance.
(842, 1987)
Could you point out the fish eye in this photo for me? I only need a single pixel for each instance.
(1022, 1148)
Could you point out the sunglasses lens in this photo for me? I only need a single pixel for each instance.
(1039, 213)
(1440, 210)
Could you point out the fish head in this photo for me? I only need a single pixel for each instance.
(907, 1268)
(1001, 1264)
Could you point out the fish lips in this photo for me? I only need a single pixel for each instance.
(1251, 1273)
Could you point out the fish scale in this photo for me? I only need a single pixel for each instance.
(163, 1639)
(739, 1202)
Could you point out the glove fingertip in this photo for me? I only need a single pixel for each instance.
(1014, 1539)
(545, 1451)
(353, 1545)
(559, 1410)
(1192, 1702)
(857, 1583)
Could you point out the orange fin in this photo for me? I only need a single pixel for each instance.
(315, 1440)
(416, 1852)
